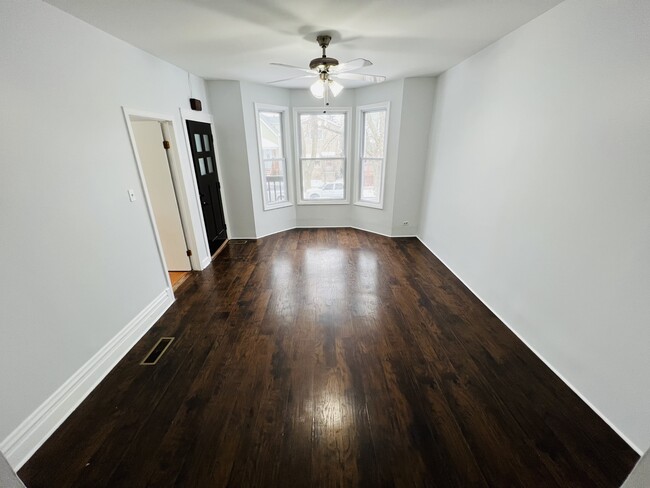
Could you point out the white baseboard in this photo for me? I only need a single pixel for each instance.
(322, 227)
(205, 262)
(19, 446)
(275, 232)
(539, 355)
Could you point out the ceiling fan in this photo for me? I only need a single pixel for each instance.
(328, 70)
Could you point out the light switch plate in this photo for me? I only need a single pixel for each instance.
(131, 195)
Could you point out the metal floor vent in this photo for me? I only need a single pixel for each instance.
(157, 351)
(237, 241)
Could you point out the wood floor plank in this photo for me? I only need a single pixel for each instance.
(331, 357)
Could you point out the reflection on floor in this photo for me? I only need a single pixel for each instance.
(331, 357)
(178, 277)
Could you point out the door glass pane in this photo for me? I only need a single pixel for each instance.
(271, 135)
(374, 134)
(322, 135)
(371, 180)
(206, 142)
(202, 166)
(323, 179)
(197, 142)
(210, 168)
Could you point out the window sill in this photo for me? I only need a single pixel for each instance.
(279, 205)
(324, 202)
(378, 206)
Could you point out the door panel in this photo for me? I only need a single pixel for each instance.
(155, 166)
(207, 179)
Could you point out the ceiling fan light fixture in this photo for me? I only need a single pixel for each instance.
(335, 87)
(317, 89)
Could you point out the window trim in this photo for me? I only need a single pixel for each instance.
(361, 110)
(286, 152)
(346, 154)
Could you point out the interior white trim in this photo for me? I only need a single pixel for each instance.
(324, 227)
(548, 364)
(347, 159)
(19, 446)
(286, 152)
(275, 232)
(361, 109)
(205, 262)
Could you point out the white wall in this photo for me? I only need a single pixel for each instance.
(417, 109)
(640, 475)
(373, 219)
(278, 219)
(80, 259)
(226, 105)
(155, 166)
(233, 102)
(538, 194)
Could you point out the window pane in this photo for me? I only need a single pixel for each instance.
(202, 166)
(374, 134)
(197, 142)
(275, 181)
(323, 179)
(271, 134)
(206, 142)
(210, 168)
(322, 135)
(371, 172)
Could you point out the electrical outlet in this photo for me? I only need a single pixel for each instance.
(406, 222)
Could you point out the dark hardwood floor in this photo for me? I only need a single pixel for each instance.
(331, 358)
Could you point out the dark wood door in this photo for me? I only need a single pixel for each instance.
(207, 179)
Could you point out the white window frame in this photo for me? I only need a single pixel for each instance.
(361, 110)
(286, 152)
(346, 154)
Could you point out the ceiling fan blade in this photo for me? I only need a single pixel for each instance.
(360, 77)
(313, 75)
(350, 65)
(293, 67)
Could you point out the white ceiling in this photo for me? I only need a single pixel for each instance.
(237, 39)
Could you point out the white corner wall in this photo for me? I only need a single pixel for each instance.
(278, 219)
(538, 195)
(367, 218)
(417, 109)
(81, 264)
(227, 112)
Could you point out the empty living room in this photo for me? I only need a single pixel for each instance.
(325, 244)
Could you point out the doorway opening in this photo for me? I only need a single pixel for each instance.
(152, 138)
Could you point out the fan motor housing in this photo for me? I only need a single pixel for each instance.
(324, 61)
